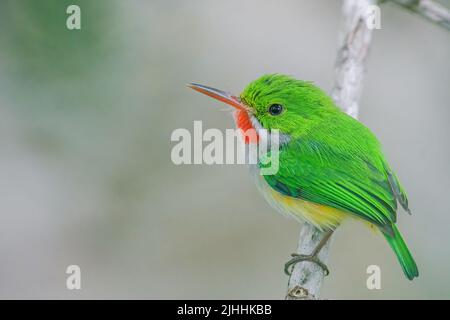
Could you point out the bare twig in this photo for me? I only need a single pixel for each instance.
(307, 277)
(428, 9)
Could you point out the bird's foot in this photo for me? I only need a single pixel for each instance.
(296, 258)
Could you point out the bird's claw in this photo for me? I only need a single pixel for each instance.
(303, 257)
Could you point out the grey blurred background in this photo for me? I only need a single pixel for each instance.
(85, 170)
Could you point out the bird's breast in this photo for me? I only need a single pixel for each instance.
(321, 216)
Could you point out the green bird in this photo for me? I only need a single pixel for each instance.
(331, 167)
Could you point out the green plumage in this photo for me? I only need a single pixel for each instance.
(403, 255)
(331, 159)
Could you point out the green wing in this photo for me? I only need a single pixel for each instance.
(348, 180)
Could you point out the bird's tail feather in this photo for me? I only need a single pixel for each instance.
(401, 250)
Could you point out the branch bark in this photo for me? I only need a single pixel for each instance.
(353, 47)
(428, 9)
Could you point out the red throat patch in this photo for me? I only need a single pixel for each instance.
(244, 123)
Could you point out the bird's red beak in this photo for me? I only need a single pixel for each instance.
(242, 118)
(220, 95)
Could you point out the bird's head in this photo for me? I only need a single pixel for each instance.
(276, 101)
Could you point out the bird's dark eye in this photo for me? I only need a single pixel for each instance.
(275, 109)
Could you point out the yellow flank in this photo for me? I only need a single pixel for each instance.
(323, 217)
